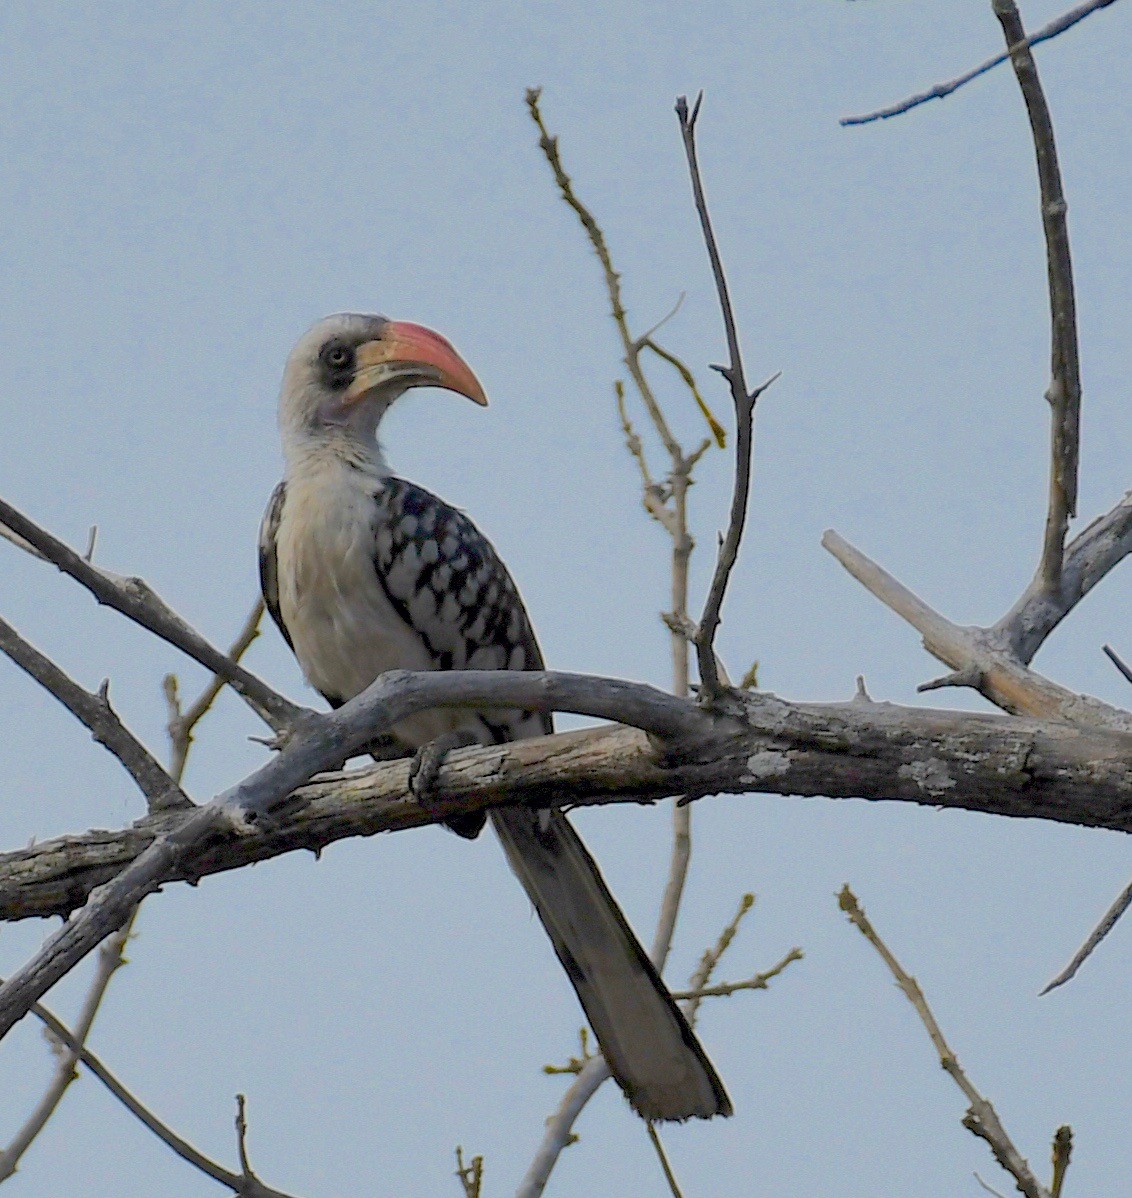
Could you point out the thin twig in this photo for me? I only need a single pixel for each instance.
(1062, 1151)
(135, 599)
(667, 503)
(712, 957)
(1064, 394)
(981, 1118)
(70, 1051)
(1107, 922)
(549, 147)
(665, 1163)
(758, 981)
(744, 401)
(1059, 25)
(93, 710)
(246, 1171)
(470, 1175)
(180, 1146)
(989, 1189)
(181, 724)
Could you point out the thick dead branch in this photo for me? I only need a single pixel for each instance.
(94, 712)
(1064, 394)
(981, 762)
(981, 1118)
(316, 744)
(134, 598)
(977, 656)
(941, 90)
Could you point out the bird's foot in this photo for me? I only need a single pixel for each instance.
(425, 770)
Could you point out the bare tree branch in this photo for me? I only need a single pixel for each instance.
(758, 981)
(744, 401)
(978, 657)
(1108, 921)
(1122, 666)
(111, 951)
(667, 503)
(981, 1118)
(136, 599)
(983, 762)
(94, 712)
(1088, 558)
(70, 1050)
(665, 1163)
(182, 723)
(993, 660)
(711, 958)
(181, 1146)
(941, 90)
(1064, 394)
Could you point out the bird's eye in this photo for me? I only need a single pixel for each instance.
(338, 357)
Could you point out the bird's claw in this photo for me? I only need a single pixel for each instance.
(423, 774)
(425, 767)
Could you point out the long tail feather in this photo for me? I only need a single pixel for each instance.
(646, 1041)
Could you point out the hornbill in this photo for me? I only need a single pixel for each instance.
(366, 572)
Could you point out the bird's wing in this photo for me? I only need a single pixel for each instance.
(444, 579)
(268, 558)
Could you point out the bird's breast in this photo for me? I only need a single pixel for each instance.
(344, 629)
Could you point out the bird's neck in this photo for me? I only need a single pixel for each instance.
(333, 449)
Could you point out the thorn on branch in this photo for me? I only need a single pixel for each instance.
(970, 676)
(754, 396)
(242, 1139)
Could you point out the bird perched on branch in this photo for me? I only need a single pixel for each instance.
(365, 572)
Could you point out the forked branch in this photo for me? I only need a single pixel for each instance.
(744, 401)
(138, 601)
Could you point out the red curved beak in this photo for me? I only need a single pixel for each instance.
(417, 354)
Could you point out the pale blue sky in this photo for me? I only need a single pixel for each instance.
(184, 188)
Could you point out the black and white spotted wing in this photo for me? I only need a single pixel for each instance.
(269, 562)
(446, 581)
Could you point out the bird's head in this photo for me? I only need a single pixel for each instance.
(347, 369)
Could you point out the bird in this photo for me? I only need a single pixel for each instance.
(364, 572)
